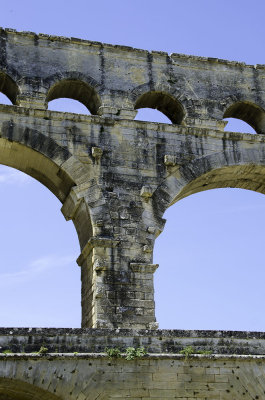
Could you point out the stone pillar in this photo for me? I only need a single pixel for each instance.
(96, 261)
(116, 240)
(114, 297)
(32, 94)
(117, 112)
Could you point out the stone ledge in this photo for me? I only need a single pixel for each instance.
(95, 241)
(28, 340)
(147, 356)
(45, 115)
(35, 331)
(143, 268)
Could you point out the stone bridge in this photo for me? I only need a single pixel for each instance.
(115, 178)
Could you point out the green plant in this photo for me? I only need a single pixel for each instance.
(204, 352)
(132, 353)
(113, 353)
(43, 350)
(187, 351)
(7, 352)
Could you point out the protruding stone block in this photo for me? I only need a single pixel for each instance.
(151, 229)
(143, 268)
(97, 153)
(169, 160)
(127, 113)
(107, 111)
(146, 192)
(147, 249)
(71, 205)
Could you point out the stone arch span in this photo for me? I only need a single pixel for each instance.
(15, 389)
(243, 169)
(54, 166)
(74, 86)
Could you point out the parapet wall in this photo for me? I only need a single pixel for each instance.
(171, 342)
(76, 366)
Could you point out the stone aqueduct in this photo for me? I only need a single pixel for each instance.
(115, 178)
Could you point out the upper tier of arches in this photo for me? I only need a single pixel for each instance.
(73, 85)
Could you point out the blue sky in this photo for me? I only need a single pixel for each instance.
(211, 273)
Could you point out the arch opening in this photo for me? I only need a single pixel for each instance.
(249, 113)
(164, 103)
(38, 253)
(77, 90)
(16, 389)
(211, 261)
(246, 176)
(214, 251)
(151, 115)
(8, 87)
(237, 125)
(4, 99)
(33, 164)
(68, 105)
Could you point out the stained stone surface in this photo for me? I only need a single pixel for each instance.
(115, 177)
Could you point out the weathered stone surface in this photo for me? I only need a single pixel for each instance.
(77, 366)
(115, 178)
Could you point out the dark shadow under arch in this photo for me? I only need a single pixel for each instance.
(163, 102)
(237, 168)
(78, 90)
(249, 176)
(8, 87)
(14, 389)
(249, 112)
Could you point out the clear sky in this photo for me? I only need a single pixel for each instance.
(211, 273)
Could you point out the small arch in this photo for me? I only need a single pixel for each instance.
(77, 90)
(249, 112)
(164, 103)
(237, 125)
(8, 87)
(68, 105)
(4, 100)
(151, 115)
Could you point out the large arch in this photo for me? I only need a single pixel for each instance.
(239, 168)
(15, 389)
(54, 166)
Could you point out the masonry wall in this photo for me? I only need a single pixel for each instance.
(153, 377)
(76, 365)
(115, 177)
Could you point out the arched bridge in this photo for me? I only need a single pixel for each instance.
(116, 176)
